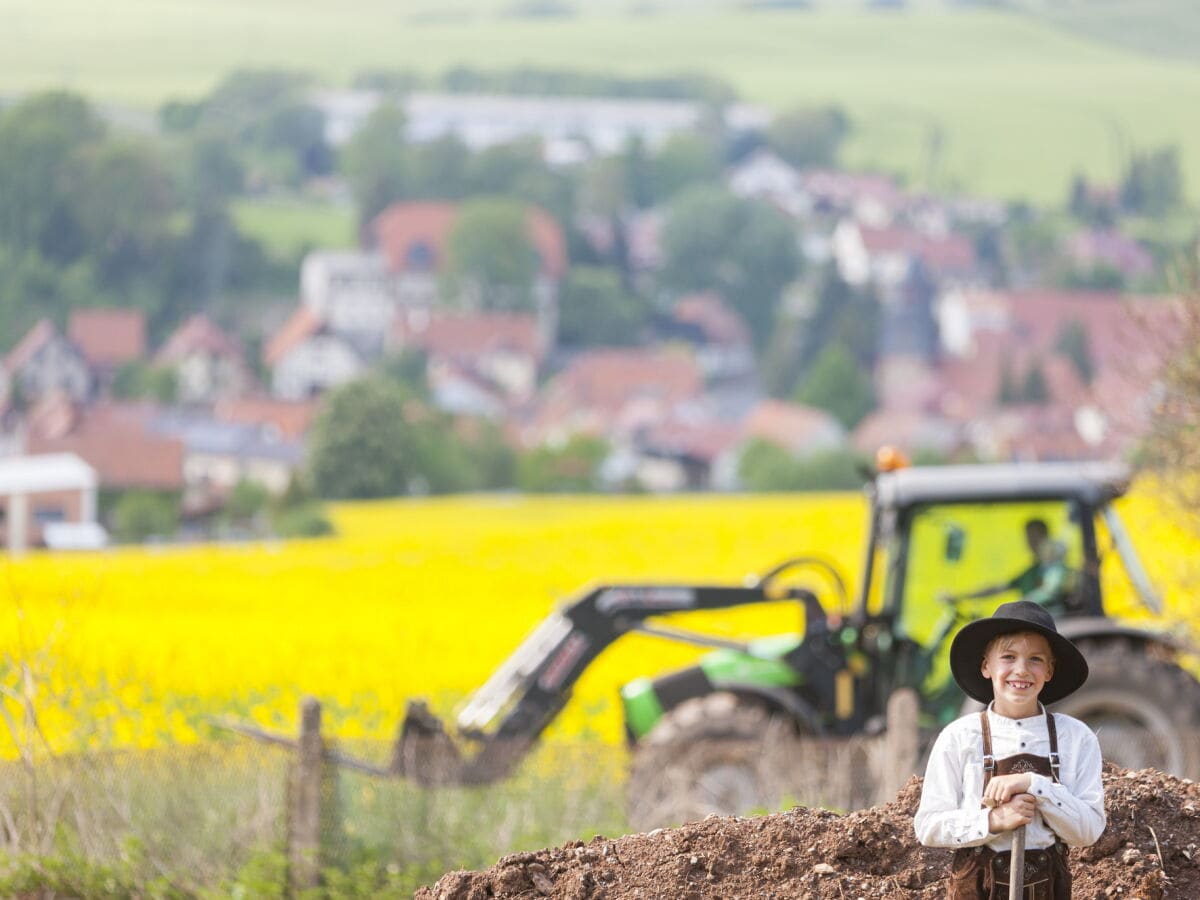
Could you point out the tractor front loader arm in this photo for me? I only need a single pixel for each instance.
(505, 717)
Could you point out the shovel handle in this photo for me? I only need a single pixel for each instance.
(1016, 868)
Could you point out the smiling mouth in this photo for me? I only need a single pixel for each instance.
(1020, 685)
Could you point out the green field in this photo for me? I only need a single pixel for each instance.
(1020, 102)
(289, 227)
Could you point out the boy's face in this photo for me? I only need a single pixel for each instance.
(1018, 665)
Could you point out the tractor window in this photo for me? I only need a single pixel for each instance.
(984, 555)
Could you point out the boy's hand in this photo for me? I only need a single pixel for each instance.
(1004, 787)
(1013, 814)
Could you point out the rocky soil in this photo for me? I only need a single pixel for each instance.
(1150, 850)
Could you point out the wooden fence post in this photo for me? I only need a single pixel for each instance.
(304, 801)
(901, 743)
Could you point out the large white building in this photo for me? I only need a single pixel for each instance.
(605, 124)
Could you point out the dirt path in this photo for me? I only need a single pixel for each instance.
(1150, 850)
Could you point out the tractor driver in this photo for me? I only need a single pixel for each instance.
(1044, 581)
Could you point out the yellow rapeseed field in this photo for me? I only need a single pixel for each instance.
(140, 647)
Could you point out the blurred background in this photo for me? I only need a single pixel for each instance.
(340, 342)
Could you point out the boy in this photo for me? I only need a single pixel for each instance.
(1014, 764)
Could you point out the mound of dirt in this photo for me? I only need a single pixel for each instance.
(1150, 850)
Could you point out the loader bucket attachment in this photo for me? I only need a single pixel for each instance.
(427, 754)
(424, 751)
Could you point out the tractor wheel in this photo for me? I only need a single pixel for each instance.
(710, 754)
(1145, 710)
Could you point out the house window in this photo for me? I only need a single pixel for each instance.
(419, 257)
(44, 515)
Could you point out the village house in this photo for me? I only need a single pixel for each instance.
(874, 200)
(973, 397)
(108, 338)
(48, 500)
(613, 393)
(718, 336)
(765, 176)
(1098, 249)
(288, 419)
(219, 454)
(413, 239)
(476, 363)
(113, 438)
(306, 358)
(885, 256)
(355, 295)
(45, 361)
(209, 364)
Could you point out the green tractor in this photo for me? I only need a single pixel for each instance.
(724, 735)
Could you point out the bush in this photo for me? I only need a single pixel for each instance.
(302, 521)
(573, 467)
(138, 515)
(768, 467)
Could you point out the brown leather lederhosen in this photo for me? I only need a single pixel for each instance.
(980, 873)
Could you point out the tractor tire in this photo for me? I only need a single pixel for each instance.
(704, 756)
(1144, 709)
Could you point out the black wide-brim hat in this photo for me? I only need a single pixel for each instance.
(966, 652)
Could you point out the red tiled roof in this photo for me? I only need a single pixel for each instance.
(291, 417)
(404, 225)
(108, 337)
(1109, 248)
(471, 334)
(792, 426)
(844, 187)
(949, 252)
(114, 441)
(703, 441)
(198, 335)
(612, 391)
(33, 341)
(302, 325)
(610, 378)
(712, 315)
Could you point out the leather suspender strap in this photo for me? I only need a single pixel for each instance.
(989, 761)
(1053, 734)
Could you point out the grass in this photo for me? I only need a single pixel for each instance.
(1155, 27)
(288, 227)
(1020, 104)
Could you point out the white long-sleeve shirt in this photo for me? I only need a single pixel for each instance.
(951, 812)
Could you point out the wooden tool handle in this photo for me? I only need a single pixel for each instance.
(1016, 869)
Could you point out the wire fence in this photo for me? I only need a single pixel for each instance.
(203, 820)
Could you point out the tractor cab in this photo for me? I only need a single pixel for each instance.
(949, 544)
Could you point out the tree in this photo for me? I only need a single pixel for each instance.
(764, 466)
(1072, 342)
(840, 314)
(1153, 183)
(573, 467)
(491, 255)
(40, 139)
(138, 515)
(595, 310)
(136, 380)
(1173, 443)
(809, 136)
(363, 443)
(1035, 389)
(743, 249)
(122, 203)
(374, 162)
(1008, 392)
(684, 160)
(839, 386)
